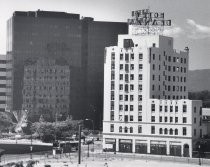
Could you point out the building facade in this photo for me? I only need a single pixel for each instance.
(146, 109)
(2, 82)
(46, 91)
(59, 35)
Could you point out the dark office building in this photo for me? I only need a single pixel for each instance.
(63, 37)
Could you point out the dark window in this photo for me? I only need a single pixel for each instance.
(126, 118)
(160, 131)
(152, 129)
(166, 131)
(140, 56)
(176, 119)
(131, 129)
(184, 131)
(152, 118)
(184, 108)
(112, 128)
(139, 129)
(184, 120)
(160, 119)
(176, 131)
(153, 107)
(120, 129)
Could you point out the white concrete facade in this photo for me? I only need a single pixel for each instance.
(145, 98)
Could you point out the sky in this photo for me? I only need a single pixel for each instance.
(190, 19)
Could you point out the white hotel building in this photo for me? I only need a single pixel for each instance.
(146, 106)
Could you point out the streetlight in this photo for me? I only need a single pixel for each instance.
(199, 147)
(31, 146)
(93, 137)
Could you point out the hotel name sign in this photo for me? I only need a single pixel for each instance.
(146, 22)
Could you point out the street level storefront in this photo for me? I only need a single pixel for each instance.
(125, 145)
(175, 149)
(158, 147)
(141, 146)
(110, 144)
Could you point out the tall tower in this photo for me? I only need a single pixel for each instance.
(145, 93)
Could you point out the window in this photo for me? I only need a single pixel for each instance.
(171, 131)
(153, 66)
(184, 131)
(139, 118)
(140, 107)
(112, 85)
(121, 56)
(194, 132)
(132, 56)
(126, 68)
(195, 120)
(131, 97)
(126, 130)
(160, 119)
(140, 56)
(176, 131)
(152, 129)
(176, 108)
(140, 87)
(160, 108)
(140, 97)
(126, 97)
(140, 66)
(112, 66)
(153, 107)
(171, 108)
(184, 108)
(194, 109)
(112, 75)
(153, 77)
(166, 131)
(171, 119)
(153, 56)
(112, 128)
(166, 108)
(112, 95)
(126, 78)
(126, 87)
(121, 87)
(139, 129)
(132, 67)
(120, 129)
(120, 97)
(126, 57)
(112, 116)
(176, 119)
(131, 87)
(120, 107)
(126, 118)
(184, 119)
(131, 129)
(121, 76)
(112, 105)
(153, 87)
(166, 119)
(160, 131)
(113, 56)
(152, 118)
(140, 77)
(121, 66)
(132, 77)
(131, 107)
(131, 117)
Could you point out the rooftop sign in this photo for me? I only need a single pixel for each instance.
(145, 22)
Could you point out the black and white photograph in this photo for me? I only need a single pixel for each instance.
(104, 83)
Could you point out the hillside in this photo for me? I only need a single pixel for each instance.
(199, 80)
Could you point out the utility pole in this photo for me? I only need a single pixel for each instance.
(79, 148)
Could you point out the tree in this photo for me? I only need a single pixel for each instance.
(47, 131)
(5, 122)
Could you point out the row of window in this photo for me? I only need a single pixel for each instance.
(184, 119)
(169, 131)
(171, 59)
(165, 131)
(126, 56)
(168, 108)
(170, 78)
